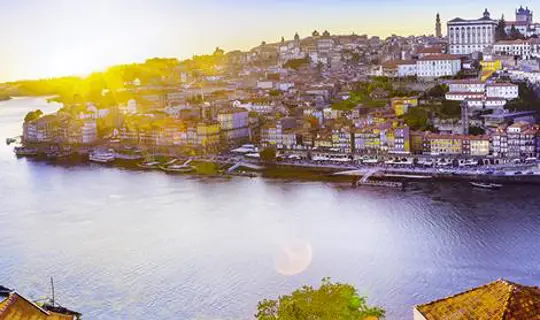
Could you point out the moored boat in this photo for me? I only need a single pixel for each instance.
(178, 168)
(149, 165)
(101, 156)
(26, 152)
(486, 185)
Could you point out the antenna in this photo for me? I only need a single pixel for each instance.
(52, 287)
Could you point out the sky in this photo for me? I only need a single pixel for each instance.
(45, 38)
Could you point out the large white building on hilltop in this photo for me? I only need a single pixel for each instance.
(523, 23)
(468, 36)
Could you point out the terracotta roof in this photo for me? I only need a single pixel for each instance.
(18, 307)
(501, 299)
(431, 50)
(465, 81)
(502, 85)
(441, 57)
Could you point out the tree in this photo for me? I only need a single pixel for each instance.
(268, 154)
(416, 118)
(500, 33)
(33, 115)
(330, 301)
(438, 91)
(514, 33)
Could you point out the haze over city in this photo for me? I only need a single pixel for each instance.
(61, 37)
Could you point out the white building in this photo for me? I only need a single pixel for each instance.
(507, 91)
(406, 68)
(524, 49)
(438, 66)
(468, 36)
(89, 132)
(523, 23)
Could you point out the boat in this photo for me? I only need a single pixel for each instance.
(128, 155)
(486, 185)
(178, 168)
(102, 157)
(149, 165)
(25, 152)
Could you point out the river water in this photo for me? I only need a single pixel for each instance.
(145, 245)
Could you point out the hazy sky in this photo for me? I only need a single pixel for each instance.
(41, 38)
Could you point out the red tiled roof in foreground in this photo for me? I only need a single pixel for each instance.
(499, 300)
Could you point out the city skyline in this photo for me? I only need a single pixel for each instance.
(76, 38)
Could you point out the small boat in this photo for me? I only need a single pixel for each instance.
(149, 165)
(102, 157)
(486, 185)
(128, 155)
(25, 152)
(178, 168)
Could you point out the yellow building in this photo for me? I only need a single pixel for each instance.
(491, 65)
(402, 105)
(445, 144)
(208, 135)
(479, 146)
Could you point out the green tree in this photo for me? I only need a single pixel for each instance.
(416, 118)
(331, 301)
(438, 91)
(33, 115)
(500, 33)
(268, 154)
(514, 33)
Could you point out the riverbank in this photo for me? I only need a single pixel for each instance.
(310, 170)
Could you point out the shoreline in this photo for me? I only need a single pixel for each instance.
(321, 172)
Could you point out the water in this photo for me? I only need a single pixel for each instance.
(146, 245)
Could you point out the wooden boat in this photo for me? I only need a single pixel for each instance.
(178, 168)
(149, 165)
(482, 185)
(102, 157)
(25, 152)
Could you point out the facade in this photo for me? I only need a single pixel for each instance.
(401, 105)
(437, 66)
(468, 36)
(234, 124)
(521, 140)
(441, 144)
(524, 49)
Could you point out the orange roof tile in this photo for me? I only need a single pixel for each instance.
(501, 299)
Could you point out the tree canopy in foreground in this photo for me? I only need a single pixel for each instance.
(330, 301)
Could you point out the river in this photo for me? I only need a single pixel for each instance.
(145, 245)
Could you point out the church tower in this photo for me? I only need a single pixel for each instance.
(438, 32)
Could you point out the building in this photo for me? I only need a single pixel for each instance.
(479, 146)
(402, 141)
(208, 136)
(399, 68)
(521, 138)
(469, 36)
(438, 29)
(15, 306)
(436, 66)
(481, 95)
(444, 144)
(523, 23)
(234, 124)
(497, 300)
(523, 49)
(401, 105)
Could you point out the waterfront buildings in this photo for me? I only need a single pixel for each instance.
(497, 300)
(234, 124)
(468, 36)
